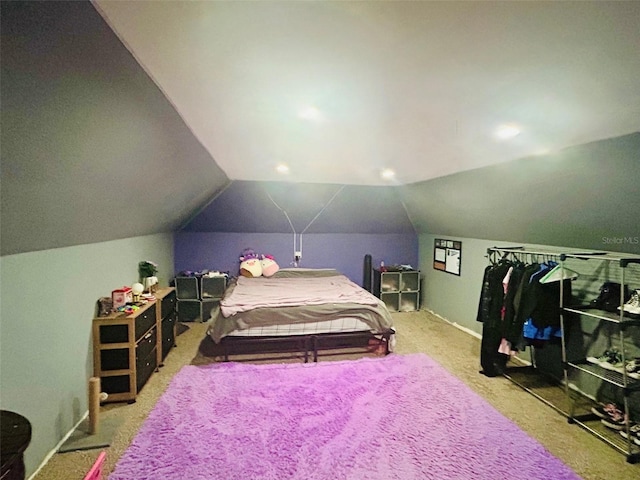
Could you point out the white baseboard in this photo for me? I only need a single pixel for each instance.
(57, 447)
(458, 326)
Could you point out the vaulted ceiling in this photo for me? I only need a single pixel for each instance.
(104, 137)
(340, 91)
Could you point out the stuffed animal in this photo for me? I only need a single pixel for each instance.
(250, 265)
(269, 265)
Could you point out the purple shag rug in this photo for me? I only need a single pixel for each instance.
(399, 417)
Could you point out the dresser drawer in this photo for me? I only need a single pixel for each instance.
(114, 359)
(145, 321)
(147, 343)
(144, 369)
(116, 384)
(168, 304)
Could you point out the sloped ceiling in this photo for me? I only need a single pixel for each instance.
(91, 148)
(279, 207)
(586, 196)
(419, 87)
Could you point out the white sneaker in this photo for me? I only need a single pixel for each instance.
(632, 307)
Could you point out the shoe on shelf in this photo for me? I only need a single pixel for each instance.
(610, 359)
(632, 307)
(634, 433)
(633, 368)
(605, 411)
(617, 420)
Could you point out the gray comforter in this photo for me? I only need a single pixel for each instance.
(371, 310)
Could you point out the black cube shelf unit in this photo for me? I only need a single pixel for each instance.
(399, 290)
(198, 296)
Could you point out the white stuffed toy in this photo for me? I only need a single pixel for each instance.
(250, 265)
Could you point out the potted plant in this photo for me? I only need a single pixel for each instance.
(147, 271)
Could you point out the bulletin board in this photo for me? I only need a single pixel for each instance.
(447, 255)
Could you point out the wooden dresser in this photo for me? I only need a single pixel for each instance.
(127, 349)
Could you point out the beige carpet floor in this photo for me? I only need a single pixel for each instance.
(421, 331)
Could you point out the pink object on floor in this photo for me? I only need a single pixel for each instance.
(96, 471)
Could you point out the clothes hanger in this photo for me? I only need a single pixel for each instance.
(558, 273)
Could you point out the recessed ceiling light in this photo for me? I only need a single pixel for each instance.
(387, 174)
(505, 132)
(310, 113)
(282, 168)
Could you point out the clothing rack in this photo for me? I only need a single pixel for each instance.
(522, 375)
(577, 404)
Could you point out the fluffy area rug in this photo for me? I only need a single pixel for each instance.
(399, 417)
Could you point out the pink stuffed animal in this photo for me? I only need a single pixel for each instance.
(269, 265)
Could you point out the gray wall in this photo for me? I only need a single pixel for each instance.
(585, 196)
(456, 299)
(47, 301)
(91, 149)
(97, 171)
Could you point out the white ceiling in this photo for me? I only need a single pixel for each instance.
(419, 87)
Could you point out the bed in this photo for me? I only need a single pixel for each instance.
(298, 310)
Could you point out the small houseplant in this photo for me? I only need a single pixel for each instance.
(147, 271)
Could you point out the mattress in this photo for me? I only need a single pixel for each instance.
(298, 302)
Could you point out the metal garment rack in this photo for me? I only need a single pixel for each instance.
(574, 394)
(495, 254)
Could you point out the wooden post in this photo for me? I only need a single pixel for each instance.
(94, 405)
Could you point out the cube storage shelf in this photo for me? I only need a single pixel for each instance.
(198, 296)
(399, 290)
(127, 349)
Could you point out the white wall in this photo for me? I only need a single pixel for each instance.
(47, 300)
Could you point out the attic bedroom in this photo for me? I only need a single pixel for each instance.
(361, 138)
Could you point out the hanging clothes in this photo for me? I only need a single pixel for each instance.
(490, 313)
(537, 308)
(517, 310)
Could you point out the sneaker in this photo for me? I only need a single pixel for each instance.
(634, 433)
(617, 420)
(610, 359)
(614, 362)
(609, 298)
(605, 411)
(632, 307)
(633, 368)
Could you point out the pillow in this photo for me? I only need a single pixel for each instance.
(269, 265)
(251, 268)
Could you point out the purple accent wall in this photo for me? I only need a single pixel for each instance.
(344, 252)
